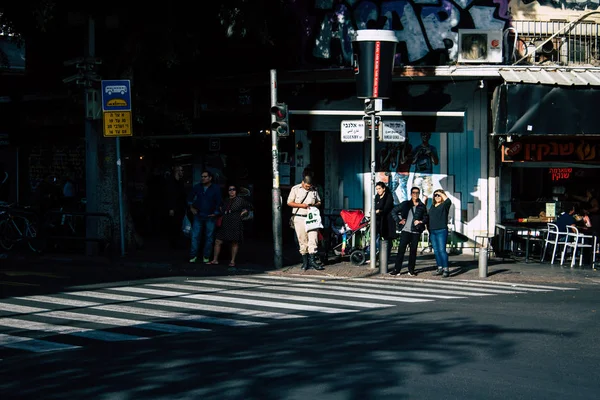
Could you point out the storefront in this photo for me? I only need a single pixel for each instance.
(547, 130)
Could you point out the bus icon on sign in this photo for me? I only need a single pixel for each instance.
(115, 89)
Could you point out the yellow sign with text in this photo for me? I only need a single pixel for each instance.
(117, 123)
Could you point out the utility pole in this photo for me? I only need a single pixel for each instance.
(275, 191)
(91, 153)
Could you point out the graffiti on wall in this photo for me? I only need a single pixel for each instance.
(427, 30)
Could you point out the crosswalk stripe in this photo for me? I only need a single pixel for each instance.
(191, 288)
(16, 308)
(310, 299)
(340, 286)
(221, 309)
(283, 296)
(33, 345)
(427, 284)
(98, 319)
(316, 289)
(59, 300)
(524, 286)
(105, 296)
(154, 292)
(472, 285)
(176, 315)
(403, 288)
(290, 306)
(66, 330)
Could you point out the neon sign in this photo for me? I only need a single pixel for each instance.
(558, 174)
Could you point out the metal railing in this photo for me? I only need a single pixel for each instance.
(570, 43)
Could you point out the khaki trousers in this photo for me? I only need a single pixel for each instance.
(308, 241)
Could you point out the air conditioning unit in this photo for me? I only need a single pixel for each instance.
(479, 46)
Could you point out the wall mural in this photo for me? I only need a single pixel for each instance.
(427, 29)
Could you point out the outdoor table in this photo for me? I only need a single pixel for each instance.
(527, 232)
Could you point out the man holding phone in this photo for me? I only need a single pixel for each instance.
(302, 197)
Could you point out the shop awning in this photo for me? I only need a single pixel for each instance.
(547, 101)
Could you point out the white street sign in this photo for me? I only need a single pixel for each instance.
(393, 131)
(353, 131)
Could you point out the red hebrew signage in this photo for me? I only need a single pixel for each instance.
(559, 174)
(544, 150)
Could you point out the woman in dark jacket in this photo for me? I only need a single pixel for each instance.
(384, 203)
(411, 219)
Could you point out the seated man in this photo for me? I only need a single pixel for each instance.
(566, 219)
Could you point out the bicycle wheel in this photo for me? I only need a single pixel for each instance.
(7, 235)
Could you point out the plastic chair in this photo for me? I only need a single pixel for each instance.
(577, 241)
(555, 238)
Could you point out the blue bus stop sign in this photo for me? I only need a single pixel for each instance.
(116, 95)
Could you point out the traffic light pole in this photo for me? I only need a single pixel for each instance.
(275, 191)
(373, 244)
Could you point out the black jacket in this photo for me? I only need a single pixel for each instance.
(401, 211)
(385, 223)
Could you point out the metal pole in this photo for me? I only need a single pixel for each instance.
(373, 245)
(276, 191)
(18, 189)
(119, 182)
(483, 265)
(383, 256)
(91, 157)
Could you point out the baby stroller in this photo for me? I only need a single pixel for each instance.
(352, 238)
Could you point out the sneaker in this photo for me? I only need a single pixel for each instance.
(438, 272)
(193, 259)
(446, 274)
(412, 273)
(205, 259)
(394, 272)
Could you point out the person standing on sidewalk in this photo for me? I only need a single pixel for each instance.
(438, 230)
(411, 216)
(204, 201)
(176, 205)
(234, 210)
(302, 197)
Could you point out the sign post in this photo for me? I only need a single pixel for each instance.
(374, 53)
(116, 116)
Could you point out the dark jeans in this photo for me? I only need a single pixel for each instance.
(406, 239)
(438, 238)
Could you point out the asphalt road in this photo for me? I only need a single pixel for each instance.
(354, 340)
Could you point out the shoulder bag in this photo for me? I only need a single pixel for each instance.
(294, 214)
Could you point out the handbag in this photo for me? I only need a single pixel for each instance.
(313, 220)
(186, 226)
(421, 227)
(219, 221)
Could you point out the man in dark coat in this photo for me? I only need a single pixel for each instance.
(411, 218)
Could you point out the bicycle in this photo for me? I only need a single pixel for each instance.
(16, 227)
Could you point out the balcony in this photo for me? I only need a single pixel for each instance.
(571, 44)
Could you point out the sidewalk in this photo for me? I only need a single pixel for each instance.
(257, 257)
(465, 267)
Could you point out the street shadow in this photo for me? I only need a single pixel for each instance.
(339, 355)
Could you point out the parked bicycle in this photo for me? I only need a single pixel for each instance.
(18, 224)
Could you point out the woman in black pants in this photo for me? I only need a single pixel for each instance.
(384, 204)
(411, 218)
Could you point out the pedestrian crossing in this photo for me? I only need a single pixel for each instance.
(79, 318)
